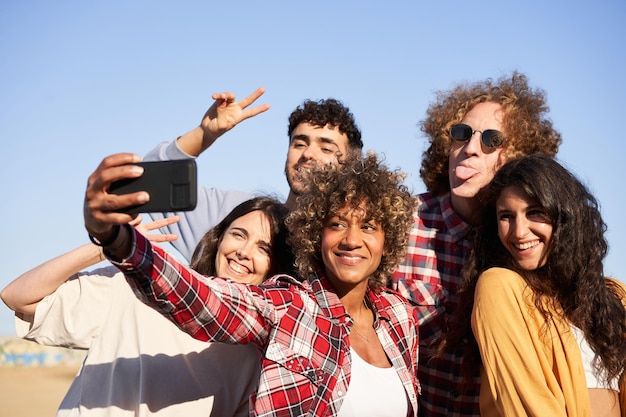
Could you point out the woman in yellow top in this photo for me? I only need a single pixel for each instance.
(536, 313)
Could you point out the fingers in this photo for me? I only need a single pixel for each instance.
(254, 111)
(136, 221)
(226, 98)
(223, 99)
(157, 224)
(245, 102)
(158, 237)
(100, 208)
(251, 99)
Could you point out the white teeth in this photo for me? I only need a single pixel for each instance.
(527, 245)
(237, 268)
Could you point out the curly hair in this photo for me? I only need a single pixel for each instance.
(575, 285)
(327, 112)
(333, 188)
(281, 257)
(524, 125)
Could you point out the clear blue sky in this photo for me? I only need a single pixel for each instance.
(81, 80)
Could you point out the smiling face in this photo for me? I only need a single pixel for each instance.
(244, 251)
(524, 228)
(352, 246)
(472, 165)
(312, 145)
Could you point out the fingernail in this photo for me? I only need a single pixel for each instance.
(143, 197)
(136, 169)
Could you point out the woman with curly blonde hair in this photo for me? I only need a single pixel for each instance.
(334, 344)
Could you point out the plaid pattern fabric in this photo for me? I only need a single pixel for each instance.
(301, 328)
(438, 243)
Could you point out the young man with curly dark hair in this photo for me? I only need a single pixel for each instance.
(320, 132)
(473, 129)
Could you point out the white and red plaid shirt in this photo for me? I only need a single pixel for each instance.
(301, 328)
(438, 244)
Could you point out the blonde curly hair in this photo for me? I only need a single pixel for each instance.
(359, 180)
(525, 126)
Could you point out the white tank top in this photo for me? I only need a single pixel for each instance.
(373, 391)
(595, 379)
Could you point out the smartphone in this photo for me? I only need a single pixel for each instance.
(171, 185)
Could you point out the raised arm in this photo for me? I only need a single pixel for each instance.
(216, 310)
(213, 204)
(224, 114)
(24, 293)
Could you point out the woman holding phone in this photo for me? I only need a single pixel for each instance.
(338, 343)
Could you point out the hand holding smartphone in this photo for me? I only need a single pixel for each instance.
(172, 186)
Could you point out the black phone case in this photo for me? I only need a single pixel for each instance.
(171, 185)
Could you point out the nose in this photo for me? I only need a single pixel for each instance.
(473, 145)
(309, 154)
(520, 227)
(352, 237)
(244, 250)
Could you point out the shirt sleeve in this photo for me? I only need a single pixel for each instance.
(209, 309)
(74, 314)
(509, 344)
(212, 205)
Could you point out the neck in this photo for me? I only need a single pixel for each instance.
(468, 209)
(353, 301)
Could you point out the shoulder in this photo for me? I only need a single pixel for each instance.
(426, 202)
(500, 278)
(283, 287)
(283, 281)
(498, 286)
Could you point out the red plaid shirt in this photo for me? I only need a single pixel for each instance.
(438, 243)
(301, 328)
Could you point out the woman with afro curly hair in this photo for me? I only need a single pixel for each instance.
(337, 343)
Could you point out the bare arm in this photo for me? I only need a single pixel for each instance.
(26, 291)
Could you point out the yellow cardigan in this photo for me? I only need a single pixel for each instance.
(529, 368)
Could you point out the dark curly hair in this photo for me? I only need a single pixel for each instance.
(327, 112)
(525, 126)
(572, 278)
(281, 257)
(359, 180)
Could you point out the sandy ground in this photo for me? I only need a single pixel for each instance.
(34, 378)
(33, 391)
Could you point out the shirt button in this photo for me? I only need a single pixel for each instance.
(340, 393)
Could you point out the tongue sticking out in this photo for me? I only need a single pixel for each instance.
(464, 173)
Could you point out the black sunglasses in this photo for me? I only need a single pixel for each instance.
(491, 138)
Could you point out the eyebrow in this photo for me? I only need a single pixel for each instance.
(241, 229)
(245, 232)
(319, 138)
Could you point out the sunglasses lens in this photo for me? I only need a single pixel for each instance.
(492, 138)
(461, 132)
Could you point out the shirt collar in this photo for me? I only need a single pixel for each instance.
(328, 301)
(457, 227)
(326, 295)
